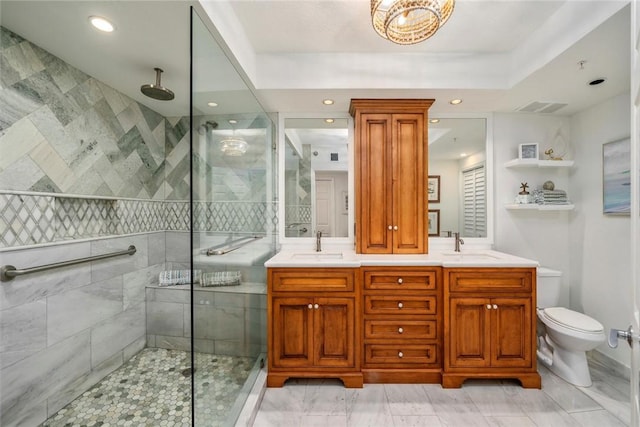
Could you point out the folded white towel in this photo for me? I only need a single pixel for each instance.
(179, 277)
(221, 278)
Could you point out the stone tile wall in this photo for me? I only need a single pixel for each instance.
(64, 329)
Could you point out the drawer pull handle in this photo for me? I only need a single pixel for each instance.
(316, 306)
(310, 306)
(488, 306)
(400, 305)
(400, 355)
(400, 330)
(400, 280)
(495, 306)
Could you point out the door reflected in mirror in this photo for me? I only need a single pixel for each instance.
(316, 177)
(457, 156)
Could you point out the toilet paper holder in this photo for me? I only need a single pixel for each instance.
(628, 335)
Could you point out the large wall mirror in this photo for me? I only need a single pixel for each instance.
(460, 171)
(316, 188)
(315, 182)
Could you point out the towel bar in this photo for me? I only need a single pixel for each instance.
(8, 272)
(228, 247)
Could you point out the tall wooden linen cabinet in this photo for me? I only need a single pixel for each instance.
(390, 180)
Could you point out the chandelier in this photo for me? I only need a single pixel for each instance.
(409, 21)
(233, 146)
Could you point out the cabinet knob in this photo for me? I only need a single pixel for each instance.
(390, 227)
(400, 330)
(395, 227)
(400, 305)
(310, 306)
(316, 306)
(488, 306)
(400, 280)
(495, 306)
(400, 355)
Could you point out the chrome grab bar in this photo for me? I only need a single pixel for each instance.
(228, 247)
(8, 272)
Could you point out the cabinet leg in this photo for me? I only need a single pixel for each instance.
(352, 381)
(452, 381)
(275, 380)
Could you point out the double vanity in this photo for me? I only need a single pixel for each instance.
(441, 317)
(392, 307)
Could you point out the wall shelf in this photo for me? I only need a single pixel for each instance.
(537, 207)
(533, 163)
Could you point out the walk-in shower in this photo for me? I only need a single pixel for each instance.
(172, 332)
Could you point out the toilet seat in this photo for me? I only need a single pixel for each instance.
(573, 320)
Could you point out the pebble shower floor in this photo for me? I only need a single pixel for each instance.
(151, 390)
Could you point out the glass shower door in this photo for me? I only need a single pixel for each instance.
(233, 231)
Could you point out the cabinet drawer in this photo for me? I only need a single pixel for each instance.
(407, 329)
(401, 304)
(314, 279)
(401, 354)
(398, 280)
(491, 280)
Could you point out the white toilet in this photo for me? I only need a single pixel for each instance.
(566, 335)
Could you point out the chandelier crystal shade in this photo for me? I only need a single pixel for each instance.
(233, 146)
(409, 21)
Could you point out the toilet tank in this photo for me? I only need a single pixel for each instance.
(549, 286)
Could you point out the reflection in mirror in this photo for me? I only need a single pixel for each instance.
(316, 177)
(457, 154)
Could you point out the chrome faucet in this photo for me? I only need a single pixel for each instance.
(318, 245)
(458, 241)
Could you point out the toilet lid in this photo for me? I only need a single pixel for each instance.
(573, 319)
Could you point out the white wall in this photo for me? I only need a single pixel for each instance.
(449, 194)
(599, 244)
(538, 235)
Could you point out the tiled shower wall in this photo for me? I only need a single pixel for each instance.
(62, 134)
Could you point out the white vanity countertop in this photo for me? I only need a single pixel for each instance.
(348, 258)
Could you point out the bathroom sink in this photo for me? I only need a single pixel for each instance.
(468, 256)
(319, 256)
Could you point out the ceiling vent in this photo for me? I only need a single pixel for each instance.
(542, 107)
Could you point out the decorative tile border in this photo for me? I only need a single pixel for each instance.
(27, 219)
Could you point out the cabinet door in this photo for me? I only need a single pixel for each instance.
(292, 336)
(408, 183)
(334, 332)
(511, 324)
(374, 184)
(469, 332)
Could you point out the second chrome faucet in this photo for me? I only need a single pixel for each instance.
(318, 243)
(458, 241)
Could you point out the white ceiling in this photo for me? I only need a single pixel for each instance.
(496, 55)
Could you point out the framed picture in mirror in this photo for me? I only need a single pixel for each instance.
(434, 222)
(433, 189)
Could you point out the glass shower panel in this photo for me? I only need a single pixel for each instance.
(233, 231)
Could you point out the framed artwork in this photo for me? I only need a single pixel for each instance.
(434, 222)
(616, 177)
(433, 188)
(528, 152)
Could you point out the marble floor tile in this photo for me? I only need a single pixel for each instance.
(476, 403)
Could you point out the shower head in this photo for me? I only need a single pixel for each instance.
(207, 126)
(156, 91)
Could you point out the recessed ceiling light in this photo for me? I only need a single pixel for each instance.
(463, 154)
(212, 104)
(455, 101)
(327, 101)
(434, 121)
(101, 24)
(328, 120)
(233, 121)
(596, 82)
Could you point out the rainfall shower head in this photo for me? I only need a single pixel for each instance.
(156, 91)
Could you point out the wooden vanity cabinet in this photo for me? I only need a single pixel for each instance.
(402, 332)
(313, 327)
(490, 324)
(390, 175)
